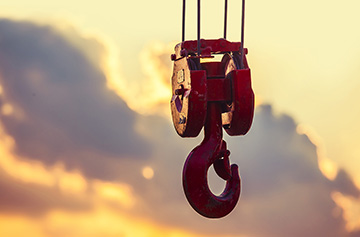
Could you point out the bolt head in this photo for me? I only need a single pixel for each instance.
(183, 53)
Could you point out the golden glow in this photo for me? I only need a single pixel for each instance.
(70, 182)
(151, 94)
(119, 192)
(351, 210)
(157, 68)
(28, 172)
(104, 221)
(19, 226)
(101, 220)
(327, 167)
(148, 172)
(258, 100)
(7, 109)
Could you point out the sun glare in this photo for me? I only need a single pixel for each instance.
(148, 172)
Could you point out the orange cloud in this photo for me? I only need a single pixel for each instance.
(25, 171)
(150, 94)
(101, 220)
(18, 226)
(351, 210)
(328, 168)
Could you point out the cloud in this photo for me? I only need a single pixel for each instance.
(60, 102)
(32, 199)
(280, 170)
(284, 192)
(148, 94)
(60, 121)
(344, 184)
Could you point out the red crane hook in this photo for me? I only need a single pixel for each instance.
(213, 95)
(212, 150)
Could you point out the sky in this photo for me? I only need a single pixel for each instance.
(88, 147)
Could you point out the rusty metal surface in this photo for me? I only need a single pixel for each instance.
(188, 102)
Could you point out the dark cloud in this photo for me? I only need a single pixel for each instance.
(355, 234)
(33, 199)
(64, 101)
(344, 184)
(279, 169)
(284, 192)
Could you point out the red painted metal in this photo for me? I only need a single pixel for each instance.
(238, 115)
(197, 164)
(215, 46)
(213, 95)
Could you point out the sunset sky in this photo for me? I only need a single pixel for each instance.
(87, 146)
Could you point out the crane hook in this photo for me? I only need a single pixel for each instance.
(213, 95)
(212, 151)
